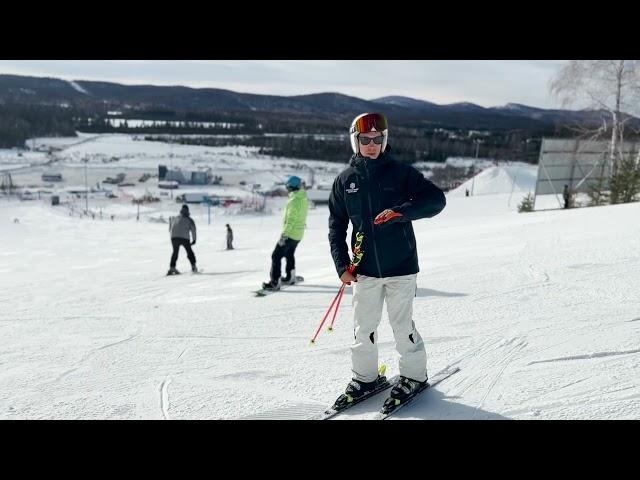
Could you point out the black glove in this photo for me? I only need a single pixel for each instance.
(193, 243)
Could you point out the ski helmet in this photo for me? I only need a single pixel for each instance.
(293, 183)
(368, 122)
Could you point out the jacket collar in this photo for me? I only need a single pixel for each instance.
(360, 163)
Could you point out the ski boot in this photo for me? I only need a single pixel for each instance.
(173, 271)
(401, 391)
(290, 279)
(356, 390)
(271, 286)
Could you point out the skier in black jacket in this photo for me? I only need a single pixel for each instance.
(380, 197)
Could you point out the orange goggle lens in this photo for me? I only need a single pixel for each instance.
(370, 122)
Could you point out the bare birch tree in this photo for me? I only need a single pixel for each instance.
(611, 86)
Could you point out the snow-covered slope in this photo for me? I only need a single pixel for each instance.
(539, 310)
(519, 178)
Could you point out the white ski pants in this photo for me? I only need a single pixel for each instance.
(368, 298)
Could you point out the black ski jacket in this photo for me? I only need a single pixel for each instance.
(364, 190)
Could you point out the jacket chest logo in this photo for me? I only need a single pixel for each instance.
(352, 188)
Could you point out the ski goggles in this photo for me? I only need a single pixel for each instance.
(367, 140)
(371, 121)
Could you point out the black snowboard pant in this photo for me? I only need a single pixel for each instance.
(287, 250)
(176, 242)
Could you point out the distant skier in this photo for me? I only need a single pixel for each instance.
(294, 219)
(229, 238)
(381, 197)
(180, 227)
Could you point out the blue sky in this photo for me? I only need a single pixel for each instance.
(485, 82)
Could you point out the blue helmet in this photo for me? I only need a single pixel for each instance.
(293, 182)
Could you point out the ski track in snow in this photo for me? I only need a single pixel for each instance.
(117, 343)
(164, 398)
(587, 356)
(93, 352)
(489, 362)
(519, 345)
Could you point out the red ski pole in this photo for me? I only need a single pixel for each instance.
(335, 312)
(338, 295)
(357, 256)
(351, 268)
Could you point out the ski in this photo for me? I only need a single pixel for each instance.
(389, 407)
(332, 412)
(263, 293)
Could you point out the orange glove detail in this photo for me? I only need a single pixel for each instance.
(387, 216)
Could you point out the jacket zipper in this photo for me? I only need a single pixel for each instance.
(375, 249)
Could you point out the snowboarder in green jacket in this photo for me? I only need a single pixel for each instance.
(294, 219)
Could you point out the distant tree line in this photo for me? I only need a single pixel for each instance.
(20, 122)
(297, 140)
(427, 147)
(186, 127)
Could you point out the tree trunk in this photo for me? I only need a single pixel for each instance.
(616, 128)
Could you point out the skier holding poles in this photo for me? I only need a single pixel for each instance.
(381, 197)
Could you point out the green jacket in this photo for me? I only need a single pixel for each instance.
(295, 215)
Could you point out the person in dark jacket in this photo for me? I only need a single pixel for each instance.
(180, 227)
(381, 197)
(229, 238)
(566, 195)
